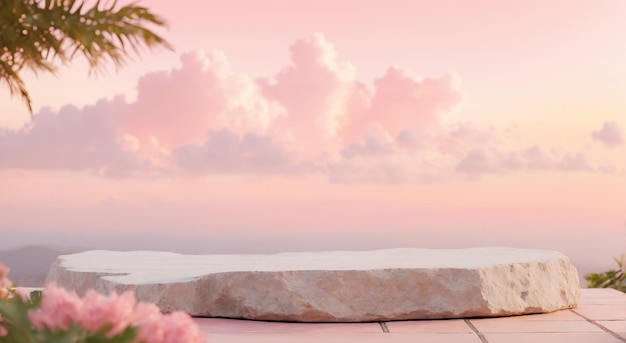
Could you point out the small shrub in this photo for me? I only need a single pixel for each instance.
(610, 279)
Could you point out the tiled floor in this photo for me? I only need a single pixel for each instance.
(599, 318)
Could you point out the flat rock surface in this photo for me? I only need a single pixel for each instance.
(334, 286)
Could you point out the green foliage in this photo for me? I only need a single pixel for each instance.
(34, 34)
(14, 318)
(609, 279)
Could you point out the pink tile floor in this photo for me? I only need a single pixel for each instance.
(599, 318)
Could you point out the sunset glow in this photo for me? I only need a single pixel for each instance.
(295, 125)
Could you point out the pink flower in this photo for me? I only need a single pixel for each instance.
(59, 309)
(99, 310)
(156, 327)
(5, 283)
(4, 271)
(148, 318)
(3, 330)
(180, 328)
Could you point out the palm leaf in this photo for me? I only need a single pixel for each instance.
(37, 34)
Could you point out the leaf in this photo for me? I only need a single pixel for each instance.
(73, 334)
(126, 336)
(38, 34)
(15, 319)
(610, 279)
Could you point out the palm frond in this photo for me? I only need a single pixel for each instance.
(34, 34)
(15, 84)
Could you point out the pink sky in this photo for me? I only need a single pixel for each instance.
(292, 125)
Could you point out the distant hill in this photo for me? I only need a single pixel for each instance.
(30, 264)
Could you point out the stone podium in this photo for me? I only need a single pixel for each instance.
(333, 286)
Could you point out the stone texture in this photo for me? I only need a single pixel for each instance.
(337, 286)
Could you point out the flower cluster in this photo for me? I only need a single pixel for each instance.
(5, 283)
(58, 315)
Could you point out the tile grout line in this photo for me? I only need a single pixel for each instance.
(383, 326)
(483, 339)
(604, 328)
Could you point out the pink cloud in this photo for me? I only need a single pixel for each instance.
(226, 152)
(319, 92)
(72, 139)
(465, 135)
(610, 134)
(577, 161)
(178, 106)
(313, 116)
(479, 161)
(375, 142)
(325, 102)
(173, 108)
(535, 158)
(410, 139)
(403, 101)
